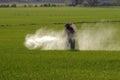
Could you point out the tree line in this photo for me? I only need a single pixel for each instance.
(56, 3)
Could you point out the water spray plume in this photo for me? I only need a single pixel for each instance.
(45, 40)
(98, 37)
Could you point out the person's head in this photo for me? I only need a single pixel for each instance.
(70, 23)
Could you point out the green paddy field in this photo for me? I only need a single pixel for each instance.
(19, 63)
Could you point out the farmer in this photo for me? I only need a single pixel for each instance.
(70, 31)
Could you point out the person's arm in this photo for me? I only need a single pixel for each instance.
(74, 28)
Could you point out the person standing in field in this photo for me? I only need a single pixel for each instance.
(70, 32)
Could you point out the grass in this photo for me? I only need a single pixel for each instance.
(19, 63)
(60, 65)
